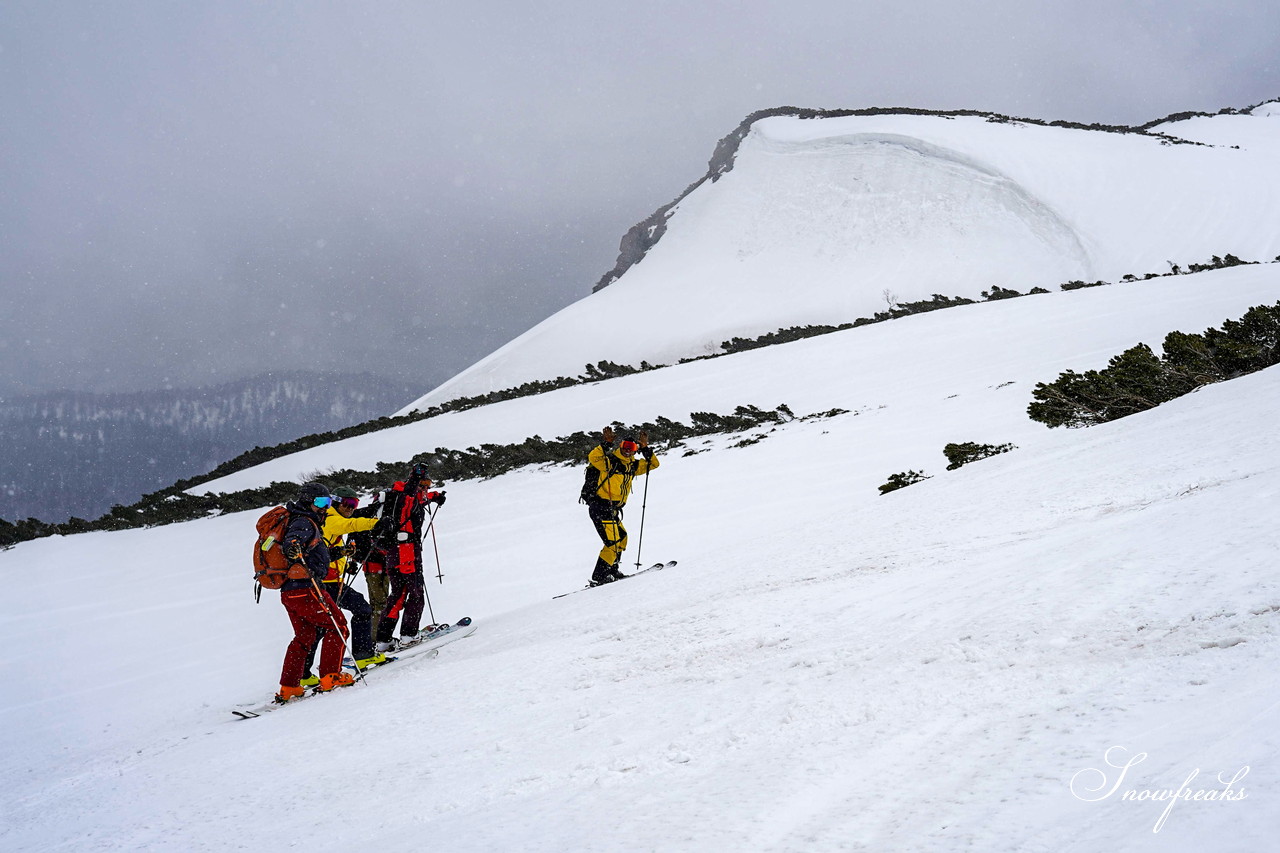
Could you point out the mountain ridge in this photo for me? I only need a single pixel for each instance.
(814, 220)
(645, 234)
(75, 454)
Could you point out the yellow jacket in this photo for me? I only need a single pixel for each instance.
(336, 527)
(616, 472)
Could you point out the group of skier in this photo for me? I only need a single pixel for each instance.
(330, 539)
(327, 532)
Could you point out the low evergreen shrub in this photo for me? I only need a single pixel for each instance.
(902, 480)
(963, 454)
(1137, 379)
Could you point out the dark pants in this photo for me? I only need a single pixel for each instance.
(379, 589)
(361, 619)
(408, 596)
(606, 517)
(313, 616)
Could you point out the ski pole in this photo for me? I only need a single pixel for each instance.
(435, 546)
(426, 595)
(644, 502)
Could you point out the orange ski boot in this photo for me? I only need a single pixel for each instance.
(337, 679)
(287, 693)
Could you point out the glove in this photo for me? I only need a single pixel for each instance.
(348, 550)
(293, 551)
(437, 498)
(607, 433)
(353, 568)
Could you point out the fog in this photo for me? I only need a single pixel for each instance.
(196, 192)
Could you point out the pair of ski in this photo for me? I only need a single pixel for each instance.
(425, 640)
(426, 647)
(656, 567)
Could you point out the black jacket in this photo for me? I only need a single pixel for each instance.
(305, 530)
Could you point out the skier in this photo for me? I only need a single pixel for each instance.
(342, 571)
(311, 611)
(608, 484)
(399, 535)
(375, 576)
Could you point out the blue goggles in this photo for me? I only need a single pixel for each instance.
(322, 502)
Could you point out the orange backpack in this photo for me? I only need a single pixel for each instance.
(270, 566)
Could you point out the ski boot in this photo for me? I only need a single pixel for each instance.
(287, 693)
(335, 680)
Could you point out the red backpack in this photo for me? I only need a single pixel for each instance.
(270, 566)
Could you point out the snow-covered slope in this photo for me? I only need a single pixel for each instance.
(905, 378)
(820, 217)
(937, 669)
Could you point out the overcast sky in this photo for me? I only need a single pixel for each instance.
(193, 192)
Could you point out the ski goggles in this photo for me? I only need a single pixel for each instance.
(322, 502)
(628, 447)
(348, 502)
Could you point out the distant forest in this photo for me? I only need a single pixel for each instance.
(78, 454)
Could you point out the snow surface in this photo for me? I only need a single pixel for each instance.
(942, 668)
(820, 217)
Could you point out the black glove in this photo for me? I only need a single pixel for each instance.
(293, 551)
(352, 568)
(438, 498)
(646, 452)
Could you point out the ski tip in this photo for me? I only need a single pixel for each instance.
(464, 621)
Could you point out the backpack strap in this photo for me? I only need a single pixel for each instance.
(314, 539)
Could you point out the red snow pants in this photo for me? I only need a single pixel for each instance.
(313, 615)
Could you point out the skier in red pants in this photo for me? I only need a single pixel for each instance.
(400, 533)
(312, 611)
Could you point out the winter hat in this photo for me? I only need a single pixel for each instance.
(345, 492)
(311, 491)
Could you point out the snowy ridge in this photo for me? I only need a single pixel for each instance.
(820, 217)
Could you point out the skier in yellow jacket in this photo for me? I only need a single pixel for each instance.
(606, 494)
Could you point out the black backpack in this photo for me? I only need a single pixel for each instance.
(591, 478)
(590, 483)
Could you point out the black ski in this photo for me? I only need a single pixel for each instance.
(427, 647)
(654, 568)
(251, 713)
